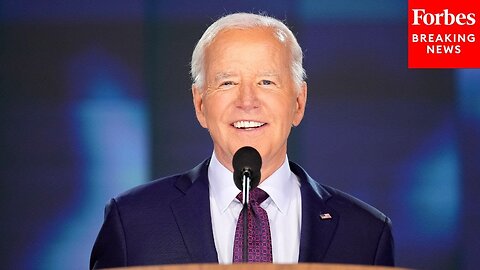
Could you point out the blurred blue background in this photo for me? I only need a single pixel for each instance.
(95, 99)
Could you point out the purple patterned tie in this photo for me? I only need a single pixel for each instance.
(259, 239)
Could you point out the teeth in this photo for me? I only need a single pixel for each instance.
(247, 124)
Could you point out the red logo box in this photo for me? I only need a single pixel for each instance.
(443, 34)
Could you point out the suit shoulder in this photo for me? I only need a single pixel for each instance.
(161, 188)
(164, 189)
(350, 206)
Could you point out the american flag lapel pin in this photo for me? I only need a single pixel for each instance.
(325, 216)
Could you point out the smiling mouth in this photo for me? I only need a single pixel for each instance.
(247, 125)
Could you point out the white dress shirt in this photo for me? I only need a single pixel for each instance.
(283, 207)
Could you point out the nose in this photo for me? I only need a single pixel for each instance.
(247, 97)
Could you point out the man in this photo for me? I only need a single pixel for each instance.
(248, 90)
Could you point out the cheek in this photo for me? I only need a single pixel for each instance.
(214, 110)
(287, 108)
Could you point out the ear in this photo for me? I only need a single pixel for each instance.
(301, 101)
(198, 104)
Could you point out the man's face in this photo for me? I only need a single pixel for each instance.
(249, 98)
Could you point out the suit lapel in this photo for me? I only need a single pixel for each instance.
(319, 222)
(192, 214)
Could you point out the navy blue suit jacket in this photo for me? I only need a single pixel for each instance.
(168, 221)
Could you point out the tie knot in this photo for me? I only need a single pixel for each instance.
(256, 196)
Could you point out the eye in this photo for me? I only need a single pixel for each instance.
(227, 83)
(266, 82)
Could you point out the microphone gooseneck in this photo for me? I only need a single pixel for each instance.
(247, 163)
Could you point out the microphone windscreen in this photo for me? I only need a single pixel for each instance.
(247, 160)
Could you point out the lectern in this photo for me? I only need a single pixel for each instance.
(260, 266)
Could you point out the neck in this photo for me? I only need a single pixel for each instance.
(269, 166)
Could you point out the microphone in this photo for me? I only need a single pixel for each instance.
(247, 163)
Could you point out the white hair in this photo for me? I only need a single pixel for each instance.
(247, 21)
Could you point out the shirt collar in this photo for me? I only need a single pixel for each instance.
(279, 186)
(221, 184)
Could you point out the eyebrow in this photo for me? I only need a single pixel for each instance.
(226, 75)
(223, 75)
(269, 74)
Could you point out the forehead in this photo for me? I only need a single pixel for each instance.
(250, 35)
(247, 47)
